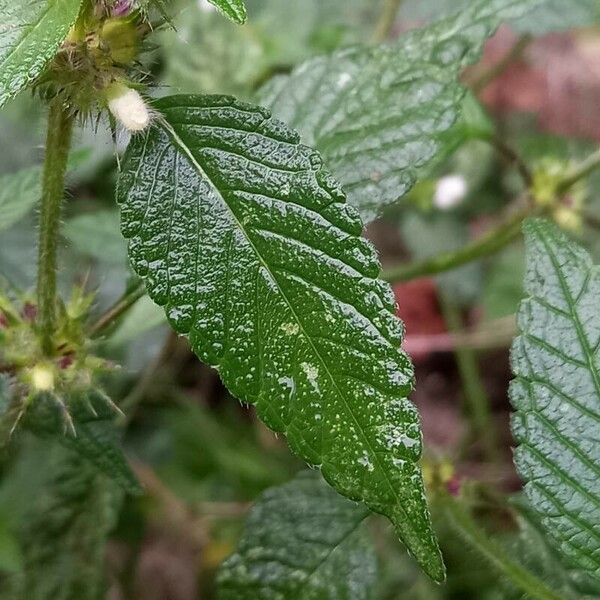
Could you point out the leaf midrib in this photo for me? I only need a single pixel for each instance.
(181, 144)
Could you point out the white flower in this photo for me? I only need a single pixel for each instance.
(450, 191)
(129, 108)
(42, 378)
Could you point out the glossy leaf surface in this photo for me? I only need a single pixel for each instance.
(378, 115)
(31, 32)
(253, 252)
(302, 541)
(234, 9)
(556, 393)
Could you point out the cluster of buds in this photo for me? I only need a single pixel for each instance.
(67, 373)
(96, 68)
(565, 209)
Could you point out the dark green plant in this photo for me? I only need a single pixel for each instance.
(246, 230)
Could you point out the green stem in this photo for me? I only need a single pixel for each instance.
(58, 143)
(487, 244)
(478, 405)
(582, 170)
(494, 553)
(121, 306)
(386, 20)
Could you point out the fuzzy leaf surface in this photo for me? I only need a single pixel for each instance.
(378, 115)
(253, 252)
(556, 393)
(302, 541)
(63, 539)
(234, 9)
(97, 438)
(31, 32)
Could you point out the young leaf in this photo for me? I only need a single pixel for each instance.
(253, 252)
(556, 393)
(302, 541)
(30, 35)
(65, 530)
(378, 115)
(234, 9)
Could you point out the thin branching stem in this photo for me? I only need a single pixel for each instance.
(582, 170)
(119, 308)
(488, 244)
(58, 143)
(386, 20)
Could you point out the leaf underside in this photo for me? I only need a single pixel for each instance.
(302, 541)
(250, 247)
(556, 393)
(379, 115)
(30, 35)
(234, 9)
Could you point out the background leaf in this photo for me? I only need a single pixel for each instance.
(556, 393)
(64, 531)
(18, 194)
(97, 438)
(254, 254)
(302, 541)
(30, 35)
(378, 115)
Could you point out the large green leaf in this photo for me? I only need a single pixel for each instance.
(556, 392)
(234, 9)
(251, 248)
(302, 541)
(378, 115)
(31, 32)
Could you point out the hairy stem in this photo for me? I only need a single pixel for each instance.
(487, 244)
(386, 20)
(494, 554)
(58, 143)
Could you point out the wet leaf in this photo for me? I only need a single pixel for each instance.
(30, 35)
(556, 393)
(234, 9)
(253, 252)
(379, 115)
(302, 541)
